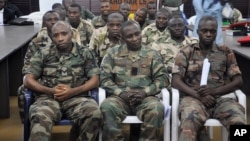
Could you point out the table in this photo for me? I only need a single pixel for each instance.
(242, 54)
(13, 45)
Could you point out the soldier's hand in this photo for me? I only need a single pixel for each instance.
(125, 96)
(208, 101)
(137, 96)
(205, 90)
(62, 92)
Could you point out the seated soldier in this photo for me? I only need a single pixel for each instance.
(132, 75)
(61, 76)
(43, 39)
(200, 102)
(106, 37)
(84, 27)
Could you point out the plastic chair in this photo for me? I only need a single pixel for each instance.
(164, 96)
(210, 122)
(28, 99)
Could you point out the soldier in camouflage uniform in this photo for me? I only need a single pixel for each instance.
(43, 39)
(66, 72)
(106, 37)
(198, 103)
(85, 13)
(124, 9)
(100, 21)
(158, 29)
(140, 17)
(170, 46)
(152, 9)
(84, 27)
(132, 75)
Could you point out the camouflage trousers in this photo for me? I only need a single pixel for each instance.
(83, 111)
(20, 100)
(114, 110)
(193, 114)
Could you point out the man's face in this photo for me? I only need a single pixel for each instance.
(161, 20)
(51, 19)
(176, 27)
(62, 35)
(125, 9)
(105, 7)
(67, 3)
(2, 3)
(114, 26)
(74, 14)
(151, 9)
(132, 36)
(140, 16)
(207, 32)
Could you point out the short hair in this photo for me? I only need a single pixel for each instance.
(76, 5)
(50, 12)
(68, 26)
(116, 15)
(124, 3)
(143, 9)
(165, 11)
(207, 18)
(57, 5)
(128, 23)
(151, 2)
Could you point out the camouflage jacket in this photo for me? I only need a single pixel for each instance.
(85, 29)
(189, 62)
(73, 69)
(98, 22)
(122, 70)
(169, 48)
(100, 43)
(151, 34)
(44, 33)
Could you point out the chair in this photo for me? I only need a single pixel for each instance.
(28, 99)
(164, 96)
(210, 122)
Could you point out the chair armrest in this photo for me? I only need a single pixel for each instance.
(175, 117)
(27, 101)
(101, 96)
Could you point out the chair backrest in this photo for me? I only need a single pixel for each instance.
(45, 5)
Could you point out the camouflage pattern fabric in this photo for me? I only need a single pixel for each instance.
(117, 76)
(150, 111)
(44, 33)
(100, 43)
(86, 14)
(192, 113)
(188, 64)
(151, 34)
(42, 40)
(85, 30)
(98, 22)
(82, 111)
(73, 70)
(169, 48)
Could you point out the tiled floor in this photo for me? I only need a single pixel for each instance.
(11, 128)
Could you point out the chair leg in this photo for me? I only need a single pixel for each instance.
(210, 131)
(224, 134)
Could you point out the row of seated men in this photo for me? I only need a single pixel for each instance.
(63, 63)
